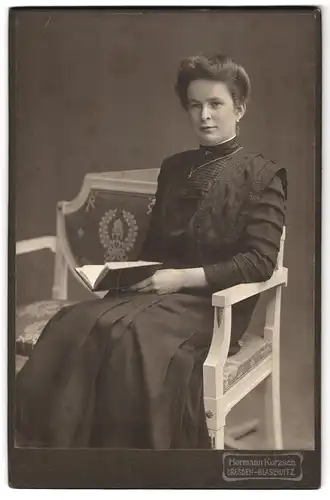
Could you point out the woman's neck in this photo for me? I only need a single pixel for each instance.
(219, 143)
(221, 149)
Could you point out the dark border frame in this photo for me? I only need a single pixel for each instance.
(100, 469)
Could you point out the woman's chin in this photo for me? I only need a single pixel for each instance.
(209, 138)
(212, 139)
(209, 141)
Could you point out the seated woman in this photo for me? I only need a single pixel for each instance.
(126, 371)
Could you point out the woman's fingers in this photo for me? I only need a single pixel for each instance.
(142, 285)
(148, 288)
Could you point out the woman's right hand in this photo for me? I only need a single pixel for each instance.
(163, 281)
(172, 280)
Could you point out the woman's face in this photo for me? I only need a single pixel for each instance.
(212, 111)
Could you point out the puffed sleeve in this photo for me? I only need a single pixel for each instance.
(260, 242)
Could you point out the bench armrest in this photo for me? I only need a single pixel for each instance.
(34, 244)
(238, 293)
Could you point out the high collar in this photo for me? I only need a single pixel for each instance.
(222, 149)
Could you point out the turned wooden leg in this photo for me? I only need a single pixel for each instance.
(273, 420)
(217, 439)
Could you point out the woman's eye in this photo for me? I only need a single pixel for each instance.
(195, 105)
(215, 104)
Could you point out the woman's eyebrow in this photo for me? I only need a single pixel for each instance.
(215, 98)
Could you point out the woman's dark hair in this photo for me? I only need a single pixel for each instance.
(213, 67)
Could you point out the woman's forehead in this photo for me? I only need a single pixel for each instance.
(207, 90)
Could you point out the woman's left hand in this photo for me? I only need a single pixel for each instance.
(163, 281)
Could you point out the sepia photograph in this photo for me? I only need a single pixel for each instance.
(164, 174)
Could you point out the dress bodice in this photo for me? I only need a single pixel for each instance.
(191, 183)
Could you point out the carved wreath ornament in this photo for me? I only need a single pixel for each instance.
(112, 234)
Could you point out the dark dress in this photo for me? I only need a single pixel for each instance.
(126, 371)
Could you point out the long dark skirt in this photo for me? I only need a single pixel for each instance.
(121, 372)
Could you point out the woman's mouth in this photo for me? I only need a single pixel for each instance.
(207, 128)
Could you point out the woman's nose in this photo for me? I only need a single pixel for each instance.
(205, 113)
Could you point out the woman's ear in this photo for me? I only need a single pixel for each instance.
(240, 111)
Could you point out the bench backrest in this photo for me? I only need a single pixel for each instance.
(107, 221)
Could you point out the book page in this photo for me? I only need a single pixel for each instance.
(125, 264)
(91, 272)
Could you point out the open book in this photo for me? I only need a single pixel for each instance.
(116, 275)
